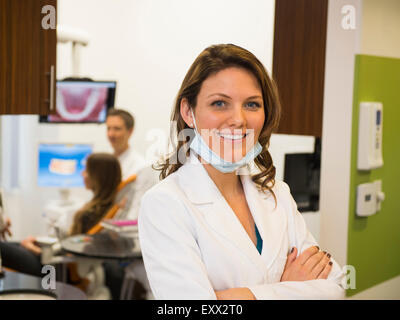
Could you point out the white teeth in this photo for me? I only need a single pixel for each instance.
(232, 137)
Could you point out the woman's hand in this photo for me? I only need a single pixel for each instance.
(310, 265)
(235, 294)
(6, 230)
(30, 244)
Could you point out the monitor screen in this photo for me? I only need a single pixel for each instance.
(302, 174)
(61, 165)
(82, 102)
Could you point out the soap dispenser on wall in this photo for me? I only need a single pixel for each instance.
(370, 136)
(370, 195)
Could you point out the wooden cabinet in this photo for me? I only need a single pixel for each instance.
(299, 64)
(27, 58)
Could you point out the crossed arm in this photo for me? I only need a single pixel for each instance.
(311, 264)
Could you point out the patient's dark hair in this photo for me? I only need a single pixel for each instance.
(104, 172)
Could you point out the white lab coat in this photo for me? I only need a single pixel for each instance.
(131, 162)
(146, 178)
(134, 163)
(192, 242)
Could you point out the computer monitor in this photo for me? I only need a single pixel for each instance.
(82, 102)
(61, 165)
(302, 174)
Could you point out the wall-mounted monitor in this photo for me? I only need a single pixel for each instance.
(61, 165)
(82, 102)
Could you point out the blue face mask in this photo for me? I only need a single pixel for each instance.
(199, 146)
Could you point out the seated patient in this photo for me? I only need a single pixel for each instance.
(102, 175)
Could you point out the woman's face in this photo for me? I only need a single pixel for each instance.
(86, 180)
(229, 113)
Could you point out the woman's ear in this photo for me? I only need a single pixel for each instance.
(186, 113)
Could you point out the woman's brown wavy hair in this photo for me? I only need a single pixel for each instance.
(212, 60)
(104, 172)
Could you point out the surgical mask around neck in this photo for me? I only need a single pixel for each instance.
(199, 146)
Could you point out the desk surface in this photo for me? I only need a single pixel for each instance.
(24, 286)
(104, 245)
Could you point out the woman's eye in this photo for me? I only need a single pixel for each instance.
(218, 103)
(253, 105)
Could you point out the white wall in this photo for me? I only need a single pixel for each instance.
(342, 45)
(380, 28)
(147, 46)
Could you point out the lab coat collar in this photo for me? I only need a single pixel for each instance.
(196, 182)
(270, 220)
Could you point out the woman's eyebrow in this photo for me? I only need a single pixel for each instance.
(219, 94)
(226, 96)
(254, 97)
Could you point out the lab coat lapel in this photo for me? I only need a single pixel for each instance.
(201, 191)
(223, 220)
(196, 183)
(271, 221)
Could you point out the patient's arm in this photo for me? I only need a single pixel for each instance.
(30, 244)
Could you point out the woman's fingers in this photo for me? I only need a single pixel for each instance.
(35, 249)
(309, 265)
(325, 273)
(306, 254)
(291, 257)
(320, 266)
(29, 244)
(8, 227)
(313, 261)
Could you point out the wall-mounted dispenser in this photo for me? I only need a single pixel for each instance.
(370, 136)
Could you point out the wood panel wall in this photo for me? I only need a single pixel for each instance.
(299, 64)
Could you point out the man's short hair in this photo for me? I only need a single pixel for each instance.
(128, 119)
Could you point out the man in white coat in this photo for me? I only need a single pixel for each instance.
(120, 126)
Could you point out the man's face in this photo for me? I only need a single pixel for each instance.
(117, 133)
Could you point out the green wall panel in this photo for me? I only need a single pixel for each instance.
(374, 242)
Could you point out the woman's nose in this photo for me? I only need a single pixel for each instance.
(237, 118)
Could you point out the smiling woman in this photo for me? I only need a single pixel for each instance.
(229, 121)
(228, 124)
(250, 87)
(212, 231)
